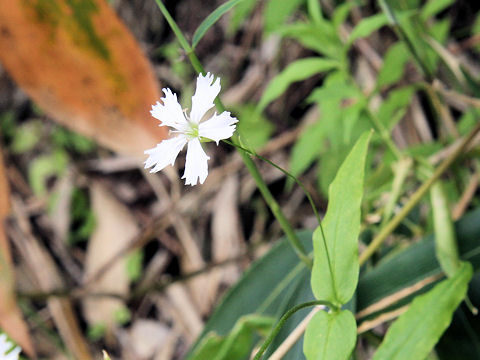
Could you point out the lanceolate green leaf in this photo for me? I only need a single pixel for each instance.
(413, 266)
(330, 336)
(367, 26)
(277, 12)
(446, 248)
(269, 287)
(212, 19)
(415, 333)
(335, 268)
(299, 70)
(236, 345)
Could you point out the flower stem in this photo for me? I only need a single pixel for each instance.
(284, 319)
(294, 178)
(252, 168)
(416, 197)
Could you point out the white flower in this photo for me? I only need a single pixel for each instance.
(190, 130)
(7, 350)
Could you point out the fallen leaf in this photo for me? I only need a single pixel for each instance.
(11, 320)
(48, 278)
(80, 64)
(115, 228)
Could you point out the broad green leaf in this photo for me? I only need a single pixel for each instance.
(296, 71)
(335, 264)
(277, 12)
(433, 7)
(414, 265)
(414, 334)
(268, 287)
(461, 340)
(237, 344)
(212, 19)
(300, 293)
(446, 248)
(366, 27)
(393, 64)
(330, 336)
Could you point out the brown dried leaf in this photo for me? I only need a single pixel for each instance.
(48, 277)
(81, 65)
(11, 320)
(115, 228)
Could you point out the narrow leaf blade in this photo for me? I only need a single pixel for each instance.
(415, 333)
(211, 20)
(341, 227)
(299, 70)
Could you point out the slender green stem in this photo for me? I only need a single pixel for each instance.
(262, 186)
(284, 319)
(294, 178)
(176, 30)
(305, 191)
(416, 197)
(275, 208)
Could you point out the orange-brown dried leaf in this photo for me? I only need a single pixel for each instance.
(80, 64)
(11, 320)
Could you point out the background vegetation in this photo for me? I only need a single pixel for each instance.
(98, 254)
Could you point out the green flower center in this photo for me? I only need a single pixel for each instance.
(192, 132)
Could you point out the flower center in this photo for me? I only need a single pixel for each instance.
(192, 131)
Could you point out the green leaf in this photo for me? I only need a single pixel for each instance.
(237, 344)
(307, 148)
(26, 136)
(254, 129)
(321, 37)
(461, 340)
(296, 71)
(366, 27)
(330, 336)
(277, 12)
(134, 264)
(212, 19)
(45, 166)
(341, 13)
(433, 7)
(413, 266)
(268, 287)
(335, 264)
(414, 334)
(393, 65)
(446, 248)
(395, 105)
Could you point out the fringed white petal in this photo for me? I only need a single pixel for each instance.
(205, 94)
(218, 127)
(196, 165)
(170, 113)
(165, 153)
(5, 346)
